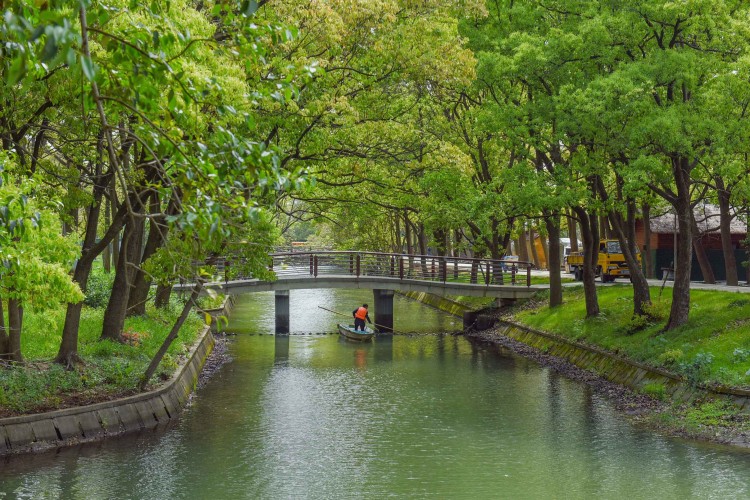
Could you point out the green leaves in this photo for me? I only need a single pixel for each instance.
(89, 68)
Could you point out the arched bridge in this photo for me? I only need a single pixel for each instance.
(384, 273)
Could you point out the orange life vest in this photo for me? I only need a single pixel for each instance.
(361, 313)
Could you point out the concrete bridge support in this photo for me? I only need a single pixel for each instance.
(282, 311)
(281, 351)
(473, 320)
(383, 309)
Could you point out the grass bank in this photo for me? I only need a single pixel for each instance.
(712, 349)
(110, 369)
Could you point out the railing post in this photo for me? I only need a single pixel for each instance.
(487, 275)
(315, 266)
(351, 264)
(312, 264)
(528, 274)
(513, 274)
(400, 267)
(358, 265)
(432, 269)
(443, 270)
(393, 266)
(226, 271)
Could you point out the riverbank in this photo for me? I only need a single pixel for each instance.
(671, 403)
(703, 418)
(63, 414)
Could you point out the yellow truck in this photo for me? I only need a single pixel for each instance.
(611, 263)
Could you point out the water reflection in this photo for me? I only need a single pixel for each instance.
(316, 416)
(281, 349)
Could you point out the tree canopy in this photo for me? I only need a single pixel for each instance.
(163, 137)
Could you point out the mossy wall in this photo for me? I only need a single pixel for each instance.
(619, 370)
(442, 303)
(42, 431)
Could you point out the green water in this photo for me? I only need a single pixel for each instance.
(409, 416)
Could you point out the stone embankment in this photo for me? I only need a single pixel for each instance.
(43, 431)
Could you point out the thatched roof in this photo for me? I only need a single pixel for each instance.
(706, 216)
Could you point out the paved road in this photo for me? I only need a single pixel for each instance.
(743, 287)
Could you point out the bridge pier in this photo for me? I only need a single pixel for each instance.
(281, 350)
(282, 311)
(383, 309)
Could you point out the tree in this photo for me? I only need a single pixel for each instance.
(165, 89)
(35, 258)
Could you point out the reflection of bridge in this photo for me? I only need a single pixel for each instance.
(383, 273)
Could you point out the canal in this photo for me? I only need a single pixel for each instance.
(428, 414)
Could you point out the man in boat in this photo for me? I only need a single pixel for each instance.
(360, 315)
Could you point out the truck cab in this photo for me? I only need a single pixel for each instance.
(611, 264)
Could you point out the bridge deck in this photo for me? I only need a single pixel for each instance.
(374, 282)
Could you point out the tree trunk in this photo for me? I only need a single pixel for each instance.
(107, 253)
(648, 263)
(130, 251)
(523, 253)
(156, 237)
(590, 234)
(67, 355)
(441, 246)
(625, 232)
(398, 243)
(3, 334)
(555, 280)
(544, 243)
(725, 217)
(117, 239)
(680, 311)
(172, 335)
(163, 293)
(572, 233)
(15, 325)
(422, 240)
(700, 254)
(409, 245)
(534, 253)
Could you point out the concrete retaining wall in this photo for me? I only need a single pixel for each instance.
(438, 302)
(219, 314)
(111, 418)
(619, 370)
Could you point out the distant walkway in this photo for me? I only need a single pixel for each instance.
(694, 285)
(699, 285)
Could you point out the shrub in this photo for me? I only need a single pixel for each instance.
(657, 311)
(739, 355)
(699, 369)
(671, 358)
(636, 324)
(99, 287)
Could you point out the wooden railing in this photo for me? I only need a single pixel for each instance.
(397, 266)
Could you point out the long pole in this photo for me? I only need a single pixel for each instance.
(379, 326)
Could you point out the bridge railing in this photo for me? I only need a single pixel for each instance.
(398, 266)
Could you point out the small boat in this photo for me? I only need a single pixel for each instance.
(349, 332)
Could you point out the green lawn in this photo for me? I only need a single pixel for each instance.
(714, 347)
(110, 369)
